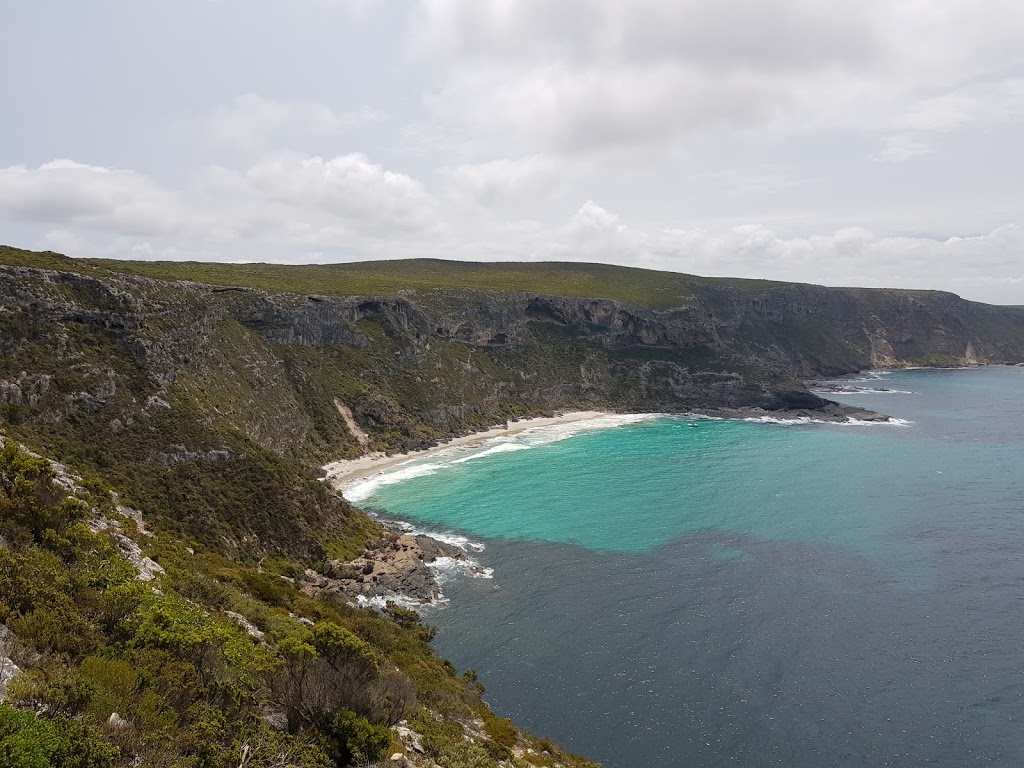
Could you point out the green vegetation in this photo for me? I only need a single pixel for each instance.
(117, 673)
(26, 741)
(186, 463)
(208, 407)
(638, 287)
(16, 257)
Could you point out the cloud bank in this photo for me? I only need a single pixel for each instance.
(868, 142)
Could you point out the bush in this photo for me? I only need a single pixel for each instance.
(33, 508)
(464, 754)
(500, 729)
(409, 619)
(26, 741)
(356, 738)
(261, 747)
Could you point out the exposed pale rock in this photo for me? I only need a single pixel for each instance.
(154, 403)
(275, 718)
(8, 669)
(409, 737)
(250, 629)
(148, 569)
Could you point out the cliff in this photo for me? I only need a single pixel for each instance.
(447, 348)
(206, 395)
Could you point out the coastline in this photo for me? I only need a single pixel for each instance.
(400, 565)
(346, 471)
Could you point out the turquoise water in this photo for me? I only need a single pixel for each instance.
(672, 592)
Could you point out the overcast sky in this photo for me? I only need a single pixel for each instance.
(845, 142)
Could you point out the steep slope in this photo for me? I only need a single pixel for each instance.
(283, 372)
(109, 658)
(207, 406)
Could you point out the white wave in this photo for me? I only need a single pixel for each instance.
(554, 433)
(447, 568)
(402, 601)
(364, 488)
(782, 422)
(863, 391)
(849, 422)
(500, 448)
(455, 539)
(868, 376)
(892, 422)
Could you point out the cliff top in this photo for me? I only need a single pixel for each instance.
(628, 285)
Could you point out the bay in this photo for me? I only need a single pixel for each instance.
(670, 591)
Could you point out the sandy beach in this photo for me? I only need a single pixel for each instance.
(341, 473)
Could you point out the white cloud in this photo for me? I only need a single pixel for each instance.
(677, 119)
(499, 180)
(579, 75)
(292, 208)
(253, 123)
(286, 203)
(914, 130)
(373, 200)
(851, 256)
(88, 196)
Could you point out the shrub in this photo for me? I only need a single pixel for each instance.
(500, 729)
(463, 754)
(33, 508)
(356, 738)
(24, 739)
(260, 747)
(27, 741)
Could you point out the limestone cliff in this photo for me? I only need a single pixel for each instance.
(195, 378)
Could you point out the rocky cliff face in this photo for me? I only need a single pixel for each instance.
(280, 368)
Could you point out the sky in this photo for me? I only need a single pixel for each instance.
(842, 142)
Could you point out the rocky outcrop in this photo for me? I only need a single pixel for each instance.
(322, 377)
(98, 522)
(393, 565)
(8, 668)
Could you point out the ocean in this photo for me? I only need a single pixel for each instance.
(669, 591)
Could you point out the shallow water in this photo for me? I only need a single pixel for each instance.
(737, 593)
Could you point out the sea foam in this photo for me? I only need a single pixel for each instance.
(863, 391)
(849, 422)
(364, 488)
(445, 568)
(402, 601)
(532, 437)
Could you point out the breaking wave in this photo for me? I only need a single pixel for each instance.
(862, 391)
(364, 488)
(849, 422)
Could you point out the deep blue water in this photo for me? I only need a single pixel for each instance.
(750, 594)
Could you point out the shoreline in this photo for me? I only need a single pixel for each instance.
(346, 471)
(400, 565)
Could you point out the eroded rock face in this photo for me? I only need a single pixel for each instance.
(8, 669)
(410, 369)
(394, 564)
(247, 626)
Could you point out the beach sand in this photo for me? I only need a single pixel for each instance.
(341, 473)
